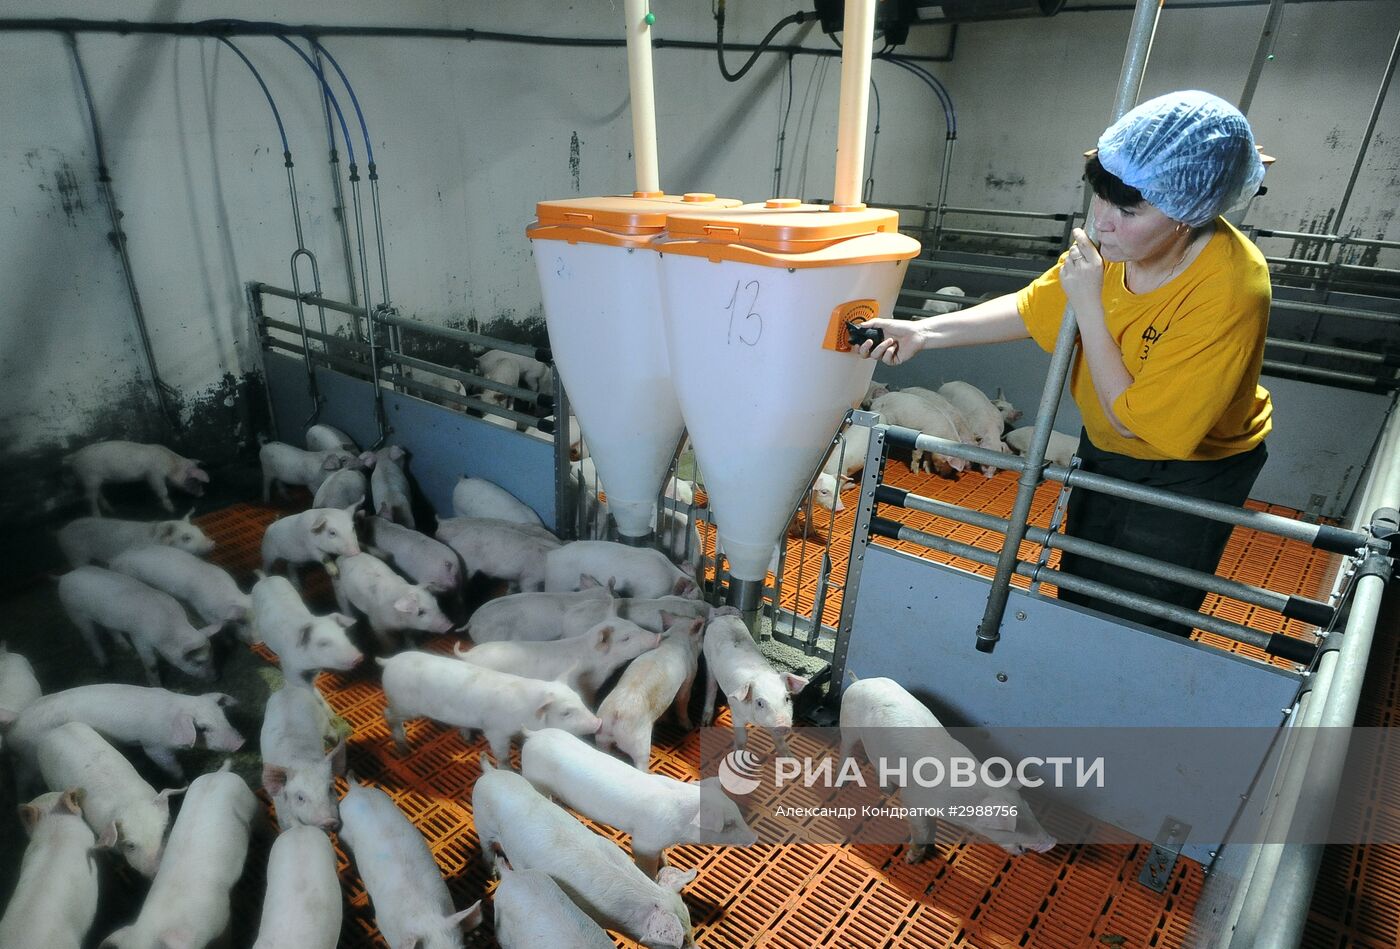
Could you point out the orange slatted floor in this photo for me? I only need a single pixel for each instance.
(967, 895)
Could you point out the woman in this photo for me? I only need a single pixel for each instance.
(1172, 306)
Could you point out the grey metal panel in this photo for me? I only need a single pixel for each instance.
(1065, 666)
(443, 445)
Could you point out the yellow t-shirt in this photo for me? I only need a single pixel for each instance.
(1194, 348)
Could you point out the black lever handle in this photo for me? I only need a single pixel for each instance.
(857, 333)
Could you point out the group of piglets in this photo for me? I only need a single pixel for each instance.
(599, 642)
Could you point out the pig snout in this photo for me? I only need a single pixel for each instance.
(595, 726)
(330, 825)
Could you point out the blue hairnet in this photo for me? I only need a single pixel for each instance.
(1191, 154)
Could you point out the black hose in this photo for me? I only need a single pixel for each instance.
(798, 17)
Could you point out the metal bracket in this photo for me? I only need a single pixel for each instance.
(1161, 861)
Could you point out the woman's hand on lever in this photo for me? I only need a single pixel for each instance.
(903, 338)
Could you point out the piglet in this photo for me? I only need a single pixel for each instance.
(303, 906)
(757, 692)
(284, 464)
(125, 812)
(849, 457)
(910, 410)
(894, 726)
(1059, 451)
(534, 833)
(207, 589)
(322, 437)
(97, 540)
(470, 697)
(19, 689)
(188, 903)
(982, 417)
(534, 617)
(656, 810)
(652, 682)
(154, 622)
(531, 911)
(298, 772)
(503, 549)
(532, 373)
(653, 613)
(305, 644)
(344, 488)
(583, 663)
(639, 571)
(477, 497)
(315, 536)
(389, 602)
(54, 903)
(158, 720)
(392, 494)
(119, 462)
(411, 902)
(423, 560)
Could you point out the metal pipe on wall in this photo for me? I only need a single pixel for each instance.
(1366, 137)
(1262, 53)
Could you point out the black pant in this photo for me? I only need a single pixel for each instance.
(1182, 539)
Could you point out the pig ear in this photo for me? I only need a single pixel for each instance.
(745, 694)
(468, 919)
(109, 836)
(318, 524)
(396, 452)
(336, 756)
(343, 620)
(794, 683)
(332, 463)
(274, 779)
(543, 709)
(354, 509)
(29, 816)
(198, 474)
(696, 625)
(682, 586)
(304, 635)
(7, 718)
(707, 818)
(405, 604)
(210, 631)
(224, 700)
(182, 731)
(167, 529)
(176, 939)
(587, 581)
(72, 801)
(667, 619)
(605, 635)
(674, 879)
(368, 459)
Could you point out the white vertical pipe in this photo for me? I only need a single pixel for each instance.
(643, 100)
(857, 45)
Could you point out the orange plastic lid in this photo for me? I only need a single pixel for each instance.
(783, 232)
(617, 219)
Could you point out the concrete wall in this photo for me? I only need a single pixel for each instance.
(468, 136)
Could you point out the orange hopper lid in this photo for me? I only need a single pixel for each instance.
(783, 232)
(626, 220)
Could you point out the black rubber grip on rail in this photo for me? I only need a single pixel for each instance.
(902, 437)
(546, 425)
(1337, 540)
(1297, 650)
(884, 527)
(888, 494)
(1391, 360)
(544, 402)
(1309, 611)
(544, 355)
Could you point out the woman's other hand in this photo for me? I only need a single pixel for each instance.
(1081, 274)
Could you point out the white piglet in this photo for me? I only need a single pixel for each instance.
(532, 617)
(298, 772)
(534, 833)
(315, 536)
(411, 902)
(125, 812)
(907, 409)
(758, 694)
(468, 697)
(982, 417)
(153, 621)
(158, 720)
(654, 681)
(1060, 450)
(323, 437)
(389, 602)
(477, 497)
(639, 571)
(581, 662)
(893, 726)
(422, 559)
(19, 689)
(393, 497)
(188, 903)
(118, 462)
(655, 810)
(205, 588)
(55, 900)
(506, 550)
(305, 644)
(303, 907)
(344, 488)
(531, 911)
(99, 539)
(284, 465)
